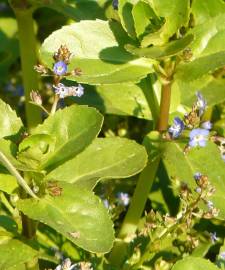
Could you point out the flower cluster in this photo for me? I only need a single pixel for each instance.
(64, 91)
(156, 229)
(59, 71)
(206, 190)
(199, 130)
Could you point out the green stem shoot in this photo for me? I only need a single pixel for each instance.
(28, 55)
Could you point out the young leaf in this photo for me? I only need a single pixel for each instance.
(193, 263)
(10, 123)
(184, 166)
(75, 213)
(97, 49)
(106, 158)
(157, 52)
(125, 12)
(73, 129)
(142, 14)
(14, 253)
(176, 15)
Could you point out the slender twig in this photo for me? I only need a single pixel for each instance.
(40, 106)
(15, 173)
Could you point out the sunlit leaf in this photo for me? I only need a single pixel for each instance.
(77, 214)
(96, 51)
(113, 158)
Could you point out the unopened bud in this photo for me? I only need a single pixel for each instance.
(36, 97)
(41, 69)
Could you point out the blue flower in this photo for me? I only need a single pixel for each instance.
(176, 129)
(60, 68)
(123, 198)
(199, 137)
(201, 103)
(197, 176)
(213, 237)
(206, 125)
(115, 4)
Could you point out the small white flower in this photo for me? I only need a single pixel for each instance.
(66, 265)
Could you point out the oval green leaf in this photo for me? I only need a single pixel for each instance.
(77, 214)
(96, 52)
(106, 158)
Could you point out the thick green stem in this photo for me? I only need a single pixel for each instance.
(144, 184)
(139, 198)
(164, 107)
(28, 55)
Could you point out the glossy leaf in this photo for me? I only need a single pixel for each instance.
(209, 37)
(73, 129)
(184, 166)
(106, 158)
(176, 15)
(14, 253)
(10, 123)
(156, 52)
(193, 263)
(106, 62)
(77, 214)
